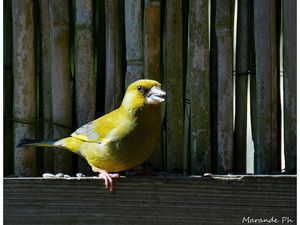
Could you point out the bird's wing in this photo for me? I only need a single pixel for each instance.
(102, 128)
(87, 133)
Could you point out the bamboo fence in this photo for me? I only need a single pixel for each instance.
(69, 62)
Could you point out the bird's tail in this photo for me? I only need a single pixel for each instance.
(38, 143)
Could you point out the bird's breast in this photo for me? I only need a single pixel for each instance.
(138, 139)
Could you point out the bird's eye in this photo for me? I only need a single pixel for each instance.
(139, 88)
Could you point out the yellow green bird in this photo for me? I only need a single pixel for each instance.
(121, 139)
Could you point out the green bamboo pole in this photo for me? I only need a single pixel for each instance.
(266, 135)
(85, 87)
(24, 107)
(222, 85)
(198, 64)
(46, 83)
(134, 41)
(60, 80)
(290, 82)
(8, 90)
(174, 84)
(242, 67)
(152, 51)
(114, 54)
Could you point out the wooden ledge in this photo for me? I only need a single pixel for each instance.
(150, 200)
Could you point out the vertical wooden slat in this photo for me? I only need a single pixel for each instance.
(186, 91)
(46, 83)
(152, 39)
(242, 67)
(24, 107)
(134, 41)
(214, 86)
(152, 51)
(174, 75)
(60, 80)
(114, 54)
(290, 88)
(198, 63)
(222, 85)
(8, 90)
(266, 88)
(85, 88)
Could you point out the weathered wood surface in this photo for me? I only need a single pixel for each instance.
(190, 200)
(84, 71)
(222, 85)
(60, 80)
(46, 84)
(114, 54)
(152, 61)
(198, 66)
(24, 98)
(134, 41)
(85, 87)
(241, 85)
(266, 134)
(174, 84)
(290, 84)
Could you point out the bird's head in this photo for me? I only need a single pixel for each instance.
(143, 92)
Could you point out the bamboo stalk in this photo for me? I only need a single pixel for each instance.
(266, 88)
(242, 67)
(174, 83)
(134, 41)
(84, 72)
(8, 90)
(114, 54)
(222, 86)
(187, 96)
(152, 39)
(46, 83)
(60, 80)
(152, 51)
(198, 64)
(24, 107)
(290, 88)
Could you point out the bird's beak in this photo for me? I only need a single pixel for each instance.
(155, 96)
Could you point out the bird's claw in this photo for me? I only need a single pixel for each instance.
(108, 178)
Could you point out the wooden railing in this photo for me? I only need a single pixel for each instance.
(222, 200)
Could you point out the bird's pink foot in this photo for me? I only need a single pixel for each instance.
(108, 177)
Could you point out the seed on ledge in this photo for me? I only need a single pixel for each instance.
(80, 175)
(59, 175)
(48, 175)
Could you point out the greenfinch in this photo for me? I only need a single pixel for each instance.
(119, 140)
